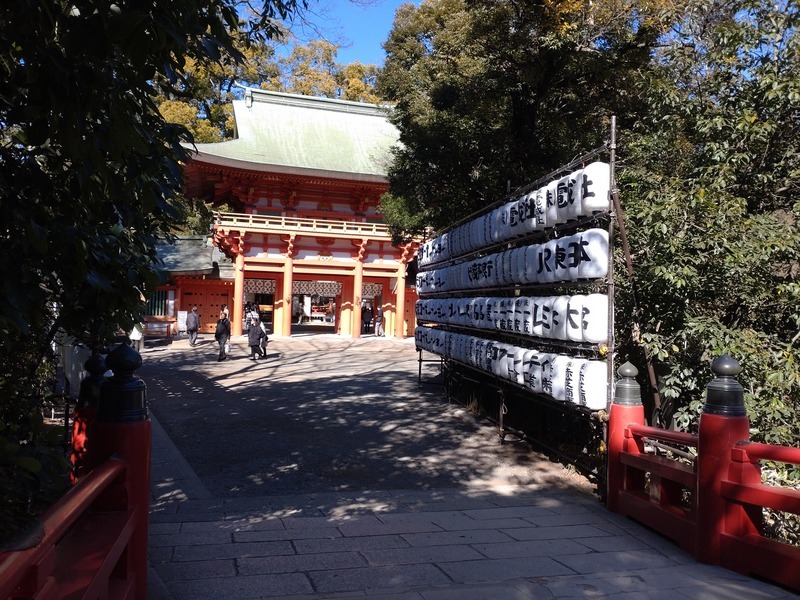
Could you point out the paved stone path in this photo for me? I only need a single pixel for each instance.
(325, 471)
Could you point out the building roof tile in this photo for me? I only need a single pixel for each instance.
(293, 133)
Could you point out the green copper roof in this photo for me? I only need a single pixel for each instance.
(300, 133)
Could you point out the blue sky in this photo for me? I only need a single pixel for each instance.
(359, 27)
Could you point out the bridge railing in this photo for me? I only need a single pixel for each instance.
(704, 491)
(93, 542)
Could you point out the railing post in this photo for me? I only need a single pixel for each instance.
(123, 428)
(626, 409)
(85, 414)
(723, 424)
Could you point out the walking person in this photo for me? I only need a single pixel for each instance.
(379, 322)
(222, 334)
(366, 319)
(265, 339)
(192, 325)
(254, 337)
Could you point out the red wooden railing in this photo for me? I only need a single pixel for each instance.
(93, 542)
(703, 491)
(80, 546)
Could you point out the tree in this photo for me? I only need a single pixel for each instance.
(710, 188)
(89, 171)
(494, 94)
(201, 101)
(707, 94)
(357, 83)
(312, 70)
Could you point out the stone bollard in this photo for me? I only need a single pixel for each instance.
(626, 409)
(85, 414)
(723, 424)
(123, 429)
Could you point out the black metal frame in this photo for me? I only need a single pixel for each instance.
(572, 433)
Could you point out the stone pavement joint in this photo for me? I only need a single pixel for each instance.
(497, 541)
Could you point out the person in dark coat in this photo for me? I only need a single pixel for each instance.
(366, 319)
(254, 337)
(222, 334)
(192, 325)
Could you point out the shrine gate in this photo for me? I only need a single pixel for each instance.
(298, 190)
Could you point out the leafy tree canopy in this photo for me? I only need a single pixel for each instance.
(89, 170)
(707, 95)
(710, 188)
(491, 95)
(202, 101)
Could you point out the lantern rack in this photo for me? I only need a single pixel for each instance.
(495, 235)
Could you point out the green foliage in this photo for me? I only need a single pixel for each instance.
(201, 101)
(707, 97)
(709, 194)
(492, 95)
(89, 171)
(33, 470)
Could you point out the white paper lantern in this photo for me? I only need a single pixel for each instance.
(575, 209)
(592, 246)
(531, 261)
(499, 359)
(593, 385)
(479, 353)
(441, 248)
(519, 265)
(537, 319)
(513, 259)
(465, 281)
(506, 314)
(454, 349)
(535, 377)
(539, 209)
(562, 199)
(506, 270)
(452, 242)
(522, 309)
(461, 241)
(547, 373)
(558, 374)
(516, 217)
(546, 315)
(491, 313)
(521, 314)
(551, 211)
(572, 379)
(594, 318)
(465, 239)
(561, 271)
(559, 317)
(504, 221)
(476, 239)
(422, 254)
(495, 225)
(596, 185)
(545, 265)
(524, 366)
(529, 220)
(513, 362)
(575, 325)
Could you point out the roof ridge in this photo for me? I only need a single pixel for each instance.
(316, 102)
